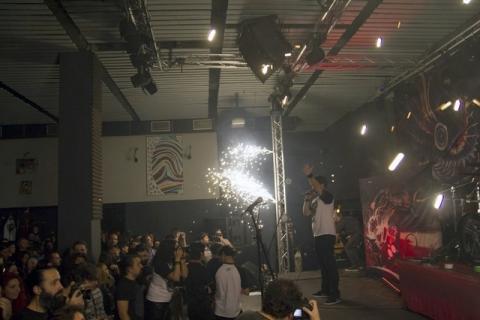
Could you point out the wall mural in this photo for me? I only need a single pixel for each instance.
(164, 165)
(437, 124)
(399, 221)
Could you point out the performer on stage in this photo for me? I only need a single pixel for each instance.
(318, 203)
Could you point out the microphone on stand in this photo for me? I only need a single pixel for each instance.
(254, 204)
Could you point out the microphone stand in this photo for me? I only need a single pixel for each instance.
(260, 250)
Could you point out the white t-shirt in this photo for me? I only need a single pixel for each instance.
(323, 221)
(158, 290)
(229, 290)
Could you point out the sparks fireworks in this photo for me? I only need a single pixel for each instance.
(235, 179)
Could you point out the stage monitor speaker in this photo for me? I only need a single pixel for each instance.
(263, 45)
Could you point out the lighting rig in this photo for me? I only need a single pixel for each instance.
(136, 30)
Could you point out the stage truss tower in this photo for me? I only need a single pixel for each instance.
(283, 248)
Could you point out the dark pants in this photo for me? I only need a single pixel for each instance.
(352, 249)
(325, 247)
(157, 310)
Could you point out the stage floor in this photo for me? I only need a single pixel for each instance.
(363, 298)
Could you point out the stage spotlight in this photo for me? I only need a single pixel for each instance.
(285, 100)
(477, 102)
(379, 42)
(457, 104)
(396, 161)
(211, 35)
(409, 114)
(438, 201)
(288, 54)
(363, 130)
(445, 106)
(392, 129)
(467, 1)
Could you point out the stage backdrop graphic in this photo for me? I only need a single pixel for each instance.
(164, 165)
(399, 221)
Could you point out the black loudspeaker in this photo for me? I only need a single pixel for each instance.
(263, 45)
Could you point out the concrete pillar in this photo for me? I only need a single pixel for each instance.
(80, 185)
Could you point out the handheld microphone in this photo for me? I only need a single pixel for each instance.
(253, 205)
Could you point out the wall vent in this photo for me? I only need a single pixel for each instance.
(202, 124)
(160, 126)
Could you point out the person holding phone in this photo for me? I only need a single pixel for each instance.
(283, 300)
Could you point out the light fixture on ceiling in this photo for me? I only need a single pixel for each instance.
(297, 46)
(409, 114)
(392, 129)
(445, 106)
(285, 100)
(265, 68)
(467, 1)
(211, 35)
(477, 102)
(438, 201)
(238, 122)
(288, 54)
(379, 42)
(457, 104)
(396, 161)
(399, 24)
(363, 130)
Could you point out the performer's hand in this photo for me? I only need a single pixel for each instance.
(308, 169)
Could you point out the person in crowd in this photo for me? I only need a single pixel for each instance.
(12, 248)
(5, 251)
(112, 240)
(169, 266)
(148, 241)
(47, 295)
(282, 298)
(350, 231)
(5, 308)
(32, 264)
(23, 245)
(106, 284)
(199, 304)
(228, 287)
(85, 276)
(54, 259)
(21, 262)
(216, 262)
(12, 289)
(80, 247)
(205, 240)
(156, 244)
(69, 313)
(220, 239)
(34, 237)
(128, 295)
(318, 204)
(124, 248)
(11, 268)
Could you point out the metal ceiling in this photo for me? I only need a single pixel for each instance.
(31, 38)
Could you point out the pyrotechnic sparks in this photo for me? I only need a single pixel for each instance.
(236, 178)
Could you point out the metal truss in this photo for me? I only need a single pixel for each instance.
(283, 246)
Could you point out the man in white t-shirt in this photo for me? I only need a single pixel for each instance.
(228, 287)
(318, 204)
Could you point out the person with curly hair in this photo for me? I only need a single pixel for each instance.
(280, 300)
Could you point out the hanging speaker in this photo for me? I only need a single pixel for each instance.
(263, 45)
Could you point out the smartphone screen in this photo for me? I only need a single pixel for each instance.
(297, 313)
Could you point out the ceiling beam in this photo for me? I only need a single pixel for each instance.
(350, 31)
(193, 44)
(217, 21)
(82, 44)
(20, 96)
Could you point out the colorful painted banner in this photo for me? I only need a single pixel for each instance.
(164, 165)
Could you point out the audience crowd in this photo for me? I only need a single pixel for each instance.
(134, 278)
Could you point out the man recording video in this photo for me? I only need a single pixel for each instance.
(318, 204)
(283, 300)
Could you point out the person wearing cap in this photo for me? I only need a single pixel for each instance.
(318, 204)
